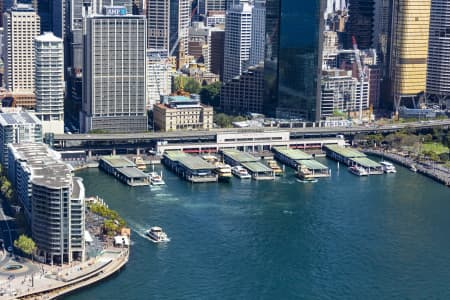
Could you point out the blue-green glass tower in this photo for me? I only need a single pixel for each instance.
(294, 34)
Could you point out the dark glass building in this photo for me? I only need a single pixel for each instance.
(293, 58)
(360, 23)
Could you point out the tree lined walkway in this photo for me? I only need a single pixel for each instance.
(440, 174)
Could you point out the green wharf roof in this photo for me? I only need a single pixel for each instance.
(239, 156)
(312, 164)
(257, 167)
(294, 154)
(346, 152)
(118, 161)
(365, 162)
(188, 160)
(132, 172)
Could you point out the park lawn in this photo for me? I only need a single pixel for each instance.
(437, 148)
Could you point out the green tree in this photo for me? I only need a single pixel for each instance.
(210, 94)
(222, 120)
(25, 244)
(188, 84)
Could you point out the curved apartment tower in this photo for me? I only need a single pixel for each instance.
(438, 72)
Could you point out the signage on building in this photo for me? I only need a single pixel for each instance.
(115, 11)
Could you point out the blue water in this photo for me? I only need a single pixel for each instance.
(340, 238)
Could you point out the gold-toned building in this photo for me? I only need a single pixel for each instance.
(409, 50)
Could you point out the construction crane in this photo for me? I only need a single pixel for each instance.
(361, 74)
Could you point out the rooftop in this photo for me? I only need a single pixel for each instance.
(48, 37)
(257, 167)
(346, 152)
(189, 161)
(132, 172)
(312, 164)
(118, 161)
(367, 163)
(43, 164)
(18, 118)
(239, 156)
(293, 153)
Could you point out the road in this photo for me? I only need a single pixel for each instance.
(215, 132)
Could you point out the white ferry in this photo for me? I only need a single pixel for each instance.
(157, 235)
(223, 171)
(240, 172)
(275, 167)
(156, 179)
(359, 171)
(388, 167)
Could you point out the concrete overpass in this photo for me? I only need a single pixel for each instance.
(137, 142)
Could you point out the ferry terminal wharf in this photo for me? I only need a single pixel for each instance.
(257, 170)
(435, 174)
(189, 167)
(296, 159)
(351, 157)
(123, 169)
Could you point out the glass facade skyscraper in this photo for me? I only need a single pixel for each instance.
(293, 58)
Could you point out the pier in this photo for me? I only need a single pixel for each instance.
(123, 169)
(440, 175)
(352, 157)
(301, 161)
(257, 170)
(189, 167)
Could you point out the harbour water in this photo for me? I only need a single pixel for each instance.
(344, 237)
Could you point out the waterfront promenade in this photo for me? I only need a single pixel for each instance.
(429, 169)
(38, 281)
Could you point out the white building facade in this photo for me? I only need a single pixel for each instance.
(49, 76)
(238, 38)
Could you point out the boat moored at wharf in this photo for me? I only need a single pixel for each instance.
(189, 167)
(307, 167)
(123, 169)
(352, 157)
(255, 168)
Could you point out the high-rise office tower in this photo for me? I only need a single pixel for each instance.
(293, 56)
(438, 71)
(210, 5)
(58, 17)
(216, 51)
(114, 73)
(382, 32)
(75, 12)
(168, 25)
(49, 75)
(158, 24)
(21, 25)
(159, 77)
(45, 8)
(238, 38)
(180, 20)
(409, 50)
(361, 23)
(258, 33)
